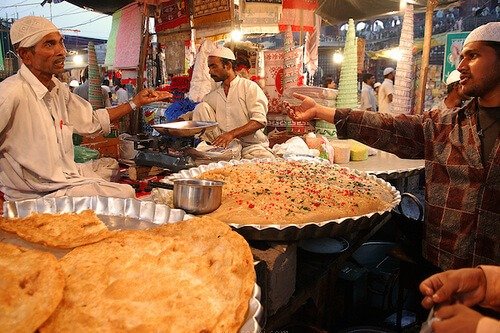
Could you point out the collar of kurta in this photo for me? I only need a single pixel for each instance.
(38, 88)
(232, 83)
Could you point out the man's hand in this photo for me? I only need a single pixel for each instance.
(303, 112)
(223, 140)
(467, 286)
(147, 96)
(455, 318)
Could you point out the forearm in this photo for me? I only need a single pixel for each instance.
(249, 128)
(119, 111)
(325, 113)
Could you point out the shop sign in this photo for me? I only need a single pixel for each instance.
(453, 48)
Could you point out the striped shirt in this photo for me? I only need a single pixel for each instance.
(462, 194)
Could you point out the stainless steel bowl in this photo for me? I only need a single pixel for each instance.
(184, 128)
(197, 196)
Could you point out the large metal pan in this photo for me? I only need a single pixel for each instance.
(184, 128)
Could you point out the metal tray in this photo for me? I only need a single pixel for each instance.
(184, 128)
(117, 214)
(291, 232)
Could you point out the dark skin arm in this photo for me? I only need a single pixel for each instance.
(249, 128)
(144, 97)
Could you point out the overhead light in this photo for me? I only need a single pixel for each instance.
(78, 59)
(395, 53)
(236, 35)
(338, 57)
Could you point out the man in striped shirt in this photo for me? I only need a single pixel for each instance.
(462, 153)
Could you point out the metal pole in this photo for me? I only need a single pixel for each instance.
(431, 5)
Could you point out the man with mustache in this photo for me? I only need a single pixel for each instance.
(462, 153)
(38, 116)
(238, 105)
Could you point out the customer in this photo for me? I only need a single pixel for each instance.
(453, 292)
(238, 105)
(38, 116)
(386, 91)
(83, 89)
(121, 93)
(462, 153)
(368, 98)
(454, 96)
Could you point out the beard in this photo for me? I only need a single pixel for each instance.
(480, 87)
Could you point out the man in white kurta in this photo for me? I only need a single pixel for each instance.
(38, 115)
(386, 91)
(238, 105)
(368, 98)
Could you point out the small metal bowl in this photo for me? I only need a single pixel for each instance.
(197, 196)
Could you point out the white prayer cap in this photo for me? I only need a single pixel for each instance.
(29, 30)
(222, 52)
(489, 32)
(453, 77)
(377, 84)
(388, 70)
(74, 83)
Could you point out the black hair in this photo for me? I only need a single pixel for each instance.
(495, 46)
(226, 61)
(327, 82)
(367, 76)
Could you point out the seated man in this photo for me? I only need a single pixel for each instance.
(38, 116)
(238, 105)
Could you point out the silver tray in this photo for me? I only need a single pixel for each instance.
(184, 128)
(117, 214)
(290, 232)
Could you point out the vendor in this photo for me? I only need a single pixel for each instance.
(238, 105)
(38, 116)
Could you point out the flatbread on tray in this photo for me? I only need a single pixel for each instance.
(193, 276)
(281, 192)
(65, 231)
(31, 287)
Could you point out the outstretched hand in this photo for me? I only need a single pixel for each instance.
(146, 96)
(467, 286)
(456, 318)
(307, 110)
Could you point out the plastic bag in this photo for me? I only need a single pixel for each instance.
(84, 154)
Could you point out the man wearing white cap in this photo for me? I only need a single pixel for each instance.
(238, 105)
(386, 91)
(461, 150)
(454, 95)
(38, 116)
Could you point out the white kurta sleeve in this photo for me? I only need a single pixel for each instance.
(84, 120)
(256, 102)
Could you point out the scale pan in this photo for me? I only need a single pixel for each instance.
(184, 128)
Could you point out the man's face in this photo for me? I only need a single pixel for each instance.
(371, 81)
(45, 58)
(218, 71)
(479, 69)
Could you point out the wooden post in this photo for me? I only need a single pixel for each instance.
(137, 115)
(431, 5)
